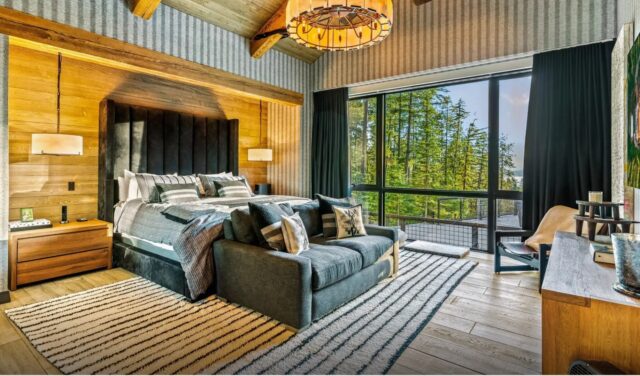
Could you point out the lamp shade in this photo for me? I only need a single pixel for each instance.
(56, 144)
(260, 155)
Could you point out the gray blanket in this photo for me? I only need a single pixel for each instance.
(190, 228)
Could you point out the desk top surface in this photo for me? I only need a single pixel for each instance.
(573, 277)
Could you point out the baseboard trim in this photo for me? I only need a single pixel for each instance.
(5, 297)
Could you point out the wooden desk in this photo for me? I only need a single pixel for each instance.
(36, 255)
(582, 316)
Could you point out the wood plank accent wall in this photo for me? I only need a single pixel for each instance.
(284, 172)
(41, 181)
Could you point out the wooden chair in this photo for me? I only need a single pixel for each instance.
(534, 248)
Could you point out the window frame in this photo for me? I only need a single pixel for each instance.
(492, 194)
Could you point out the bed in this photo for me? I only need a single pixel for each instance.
(146, 241)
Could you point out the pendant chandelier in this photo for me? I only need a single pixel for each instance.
(339, 25)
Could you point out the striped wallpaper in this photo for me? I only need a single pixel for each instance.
(284, 172)
(4, 165)
(453, 32)
(629, 12)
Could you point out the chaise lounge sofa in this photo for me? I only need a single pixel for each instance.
(299, 289)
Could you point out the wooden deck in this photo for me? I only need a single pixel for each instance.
(490, 324)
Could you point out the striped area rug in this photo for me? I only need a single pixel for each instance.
(137, 327)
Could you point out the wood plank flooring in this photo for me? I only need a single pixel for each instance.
(489, 325)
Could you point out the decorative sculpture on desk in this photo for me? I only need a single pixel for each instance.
(626, 251)
(599, 214)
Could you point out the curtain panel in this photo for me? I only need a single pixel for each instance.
(568, 138)
(330, 143)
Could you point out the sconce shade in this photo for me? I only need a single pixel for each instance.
(56, 144)
(265, 155)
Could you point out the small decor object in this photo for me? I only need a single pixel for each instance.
(33, 225)
(602, 253)
(626, 250)
(63, 215)
(602, 217)
(339, 25)
(263, 189)
(595, 196)
(56, 143)
(295, 235)
(26, 214)
(349, 221)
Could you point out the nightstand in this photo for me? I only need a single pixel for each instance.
(263, 189)
(36, 255)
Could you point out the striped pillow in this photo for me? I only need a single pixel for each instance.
(232, 188)
(147, 184)
(177, 193)
(267, 223)
(295, 234)
(327, 214)
(208, 179)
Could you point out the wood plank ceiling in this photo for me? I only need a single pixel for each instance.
(243, 17)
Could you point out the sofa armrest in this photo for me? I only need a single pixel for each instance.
(274, 283)
(391, 233)
(387, 232)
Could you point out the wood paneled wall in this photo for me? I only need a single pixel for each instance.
(41, 181)
(284, 172)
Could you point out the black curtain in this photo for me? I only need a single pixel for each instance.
(330, 143)
(568, 140)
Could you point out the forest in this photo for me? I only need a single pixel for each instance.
(431, 142)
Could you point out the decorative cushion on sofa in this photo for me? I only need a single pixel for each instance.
(349, 221)
(370, 247)
(294, 233)
(330, 264)
(267, 223)
(242, 225)
(327, 214)
(310, 214)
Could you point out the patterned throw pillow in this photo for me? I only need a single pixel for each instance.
(232, 188)
(267, 223)
(177, 193)
(349, 221)
(209, 189)
(147, 184)
(294, 233)
(327, 214)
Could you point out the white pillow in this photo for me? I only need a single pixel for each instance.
(349, 221)
(294, 233)
(134, 190)
(122, 191)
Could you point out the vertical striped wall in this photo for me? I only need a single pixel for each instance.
(629, 12)
(4, 164)
(453, 32)
(285, 172)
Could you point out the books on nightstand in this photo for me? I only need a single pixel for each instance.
(32, 225)
(602, 250)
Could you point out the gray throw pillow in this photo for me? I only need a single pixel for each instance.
(327, 214)
(177, 193)
(267, 223)
(310, 214)
(243, 226)
(232, 188)
(147, 184)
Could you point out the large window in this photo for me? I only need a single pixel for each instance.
(443, 163)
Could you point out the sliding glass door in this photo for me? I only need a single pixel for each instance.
(439, 162)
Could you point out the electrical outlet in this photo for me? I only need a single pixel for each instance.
(72, 186)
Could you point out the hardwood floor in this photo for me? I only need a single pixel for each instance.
(490, 324)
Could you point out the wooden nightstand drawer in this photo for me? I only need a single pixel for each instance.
(52, 267)
(61, 244)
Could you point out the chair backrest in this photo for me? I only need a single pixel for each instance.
(558, 218)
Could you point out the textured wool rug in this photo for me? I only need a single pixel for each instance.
(138, 327)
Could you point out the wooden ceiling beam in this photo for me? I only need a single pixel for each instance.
(26, 26)
(270, 33)
(144, 8)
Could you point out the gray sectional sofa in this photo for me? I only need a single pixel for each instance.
(299, 289)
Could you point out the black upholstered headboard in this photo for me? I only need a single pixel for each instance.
(157, 141)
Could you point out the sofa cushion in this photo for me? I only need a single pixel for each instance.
(327, 215)
(310, 214)
(370, 247)
(267, 223)
(330, 264)
(242, 225)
